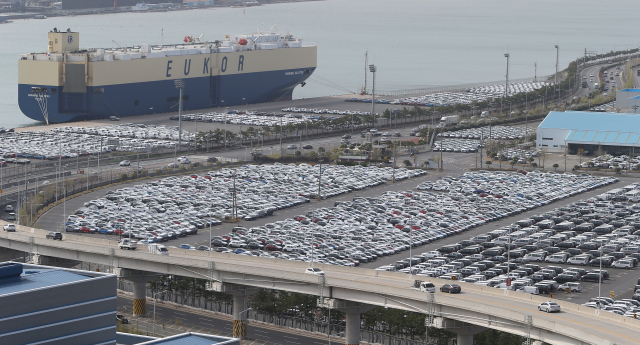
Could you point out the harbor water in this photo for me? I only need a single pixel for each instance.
(413, 43)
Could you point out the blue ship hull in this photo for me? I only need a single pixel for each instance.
(101, 102)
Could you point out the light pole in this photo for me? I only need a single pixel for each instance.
(555, 85)
(154, 310)
(180, 86)
(373, 69)
(600, 279)
(226, 111)
(506, 86)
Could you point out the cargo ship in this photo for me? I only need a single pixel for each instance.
(69, 84)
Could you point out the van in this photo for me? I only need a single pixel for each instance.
(159, 249)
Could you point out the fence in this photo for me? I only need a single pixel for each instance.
(269, 318)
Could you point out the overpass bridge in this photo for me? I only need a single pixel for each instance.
(352, 290)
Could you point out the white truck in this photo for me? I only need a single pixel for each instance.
(449, 120)
(424, 286)
(159, 249)
(127, 244)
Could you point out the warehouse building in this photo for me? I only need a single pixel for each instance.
(56, 306)
(587, 133)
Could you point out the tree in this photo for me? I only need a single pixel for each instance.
(534, 165)
(590, 164)
(312, 155)
(406, 162)
(321, 150)
(576, 167)
(502, 158)
(512, 163)
(298, 153)
(426, 163)
(555, 166)
(530, 160)
(488, 163)
(366, 147)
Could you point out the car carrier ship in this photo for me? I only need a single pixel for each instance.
(69, 84)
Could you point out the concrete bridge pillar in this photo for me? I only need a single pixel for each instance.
(352, 311)
(139, 280)
(240, 308)
(463, 330)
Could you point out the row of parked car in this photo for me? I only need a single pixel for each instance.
(588, 232)
(486, 132)
(71, 142)
(364, 229)
(177, 206)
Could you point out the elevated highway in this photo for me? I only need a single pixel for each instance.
(353, 290)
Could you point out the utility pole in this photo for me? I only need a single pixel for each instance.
(535, 72)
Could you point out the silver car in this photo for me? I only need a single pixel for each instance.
(549, 307)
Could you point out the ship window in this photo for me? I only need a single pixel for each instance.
(54, 91)
(56, 41)
(306, 71)
(98, 90)
(135, 102)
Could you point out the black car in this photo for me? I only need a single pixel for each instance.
(218, 243)
(451, 288)
(543, 288)
(307, 147)
(567, 277)
(54, 236)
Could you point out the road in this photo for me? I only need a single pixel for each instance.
(358, 285)
(175, 319)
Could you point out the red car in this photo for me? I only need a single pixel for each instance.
(521, 172)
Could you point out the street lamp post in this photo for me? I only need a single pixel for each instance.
(180, 86)
(506, 86)
(154, 310)
(555, 85)
(226, 111)
(373, 69)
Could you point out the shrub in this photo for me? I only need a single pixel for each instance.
(124, 176)
(183, 168)
(158, 171)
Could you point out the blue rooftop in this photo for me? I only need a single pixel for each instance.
(630, 90)
(592, 121)
(37, 279)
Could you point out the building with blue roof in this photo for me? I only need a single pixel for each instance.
(589, 132)
(50, 305)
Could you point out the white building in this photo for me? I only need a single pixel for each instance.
(589, 132)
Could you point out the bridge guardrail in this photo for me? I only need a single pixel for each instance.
(278, 272)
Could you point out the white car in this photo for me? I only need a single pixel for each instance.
(9, 228)
(315, 271)
(573, 287)
(237, 244)
(556, 258)
(549, 307)
(623, 263)
(578, 260)
(125, 163)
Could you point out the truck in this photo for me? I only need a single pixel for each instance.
(127, 244)
(159, 249)
(424, 286)
(449, 120)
